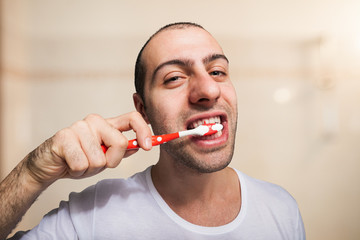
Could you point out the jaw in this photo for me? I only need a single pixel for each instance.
(194, 161)
(199, 154)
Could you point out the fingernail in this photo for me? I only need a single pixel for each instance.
(148, 143)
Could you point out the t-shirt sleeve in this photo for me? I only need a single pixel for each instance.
(56, 224)
(300, 229)
(71, 220)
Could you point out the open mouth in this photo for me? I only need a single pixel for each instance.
(198, 122)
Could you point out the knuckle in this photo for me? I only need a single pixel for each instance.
(122, 142)
(80, 125)
(135, 115)
(92, 117)
(63, 134)
(77, 164)
(99, 163)
(112, 164)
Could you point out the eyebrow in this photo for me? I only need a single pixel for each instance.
(214, 57)
(188, 63)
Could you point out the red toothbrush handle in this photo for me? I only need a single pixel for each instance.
(104, 148)
(160, 139)
(155, 140)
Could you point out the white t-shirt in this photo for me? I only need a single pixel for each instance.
(133, 209)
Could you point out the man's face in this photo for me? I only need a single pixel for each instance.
(187, 83)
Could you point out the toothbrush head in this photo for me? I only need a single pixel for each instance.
(207, 129)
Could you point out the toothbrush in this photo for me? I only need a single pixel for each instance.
(205, 129)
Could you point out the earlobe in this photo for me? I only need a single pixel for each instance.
(140, 107)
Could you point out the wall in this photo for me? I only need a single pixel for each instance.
(294, 65)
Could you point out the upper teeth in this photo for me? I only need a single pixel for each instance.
(205, 120)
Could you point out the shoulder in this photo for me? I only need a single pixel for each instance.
(271, 206)
(263, 192)
(107, 189)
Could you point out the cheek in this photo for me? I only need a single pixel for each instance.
(229, 94)
(163, 112)
(161, 104)
(168, 101)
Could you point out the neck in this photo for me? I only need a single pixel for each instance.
(197, 196)
(178, 181)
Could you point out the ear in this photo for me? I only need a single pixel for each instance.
(140, 106)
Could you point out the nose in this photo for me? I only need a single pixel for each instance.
(204, 90)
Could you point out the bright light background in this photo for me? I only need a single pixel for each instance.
(295, 66)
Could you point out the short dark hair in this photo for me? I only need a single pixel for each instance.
(140, 67)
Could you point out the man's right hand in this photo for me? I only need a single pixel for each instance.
(75, 152)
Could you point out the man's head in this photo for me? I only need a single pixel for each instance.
(140, 66)
(185, 81)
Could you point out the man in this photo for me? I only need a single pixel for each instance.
(182, 79)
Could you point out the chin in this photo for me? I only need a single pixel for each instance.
(208, 162)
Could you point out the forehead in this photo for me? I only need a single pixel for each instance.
(190, 43)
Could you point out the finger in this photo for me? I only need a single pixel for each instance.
(136, 122)
(71, 152)
(116, 151)
(113, 139)
(89, 143)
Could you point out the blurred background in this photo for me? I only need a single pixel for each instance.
(295, 65)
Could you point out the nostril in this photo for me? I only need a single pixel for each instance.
(203, 100)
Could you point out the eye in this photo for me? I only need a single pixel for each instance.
(172, 79)
(217, 73)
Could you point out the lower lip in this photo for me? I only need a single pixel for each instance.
(215, 142)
